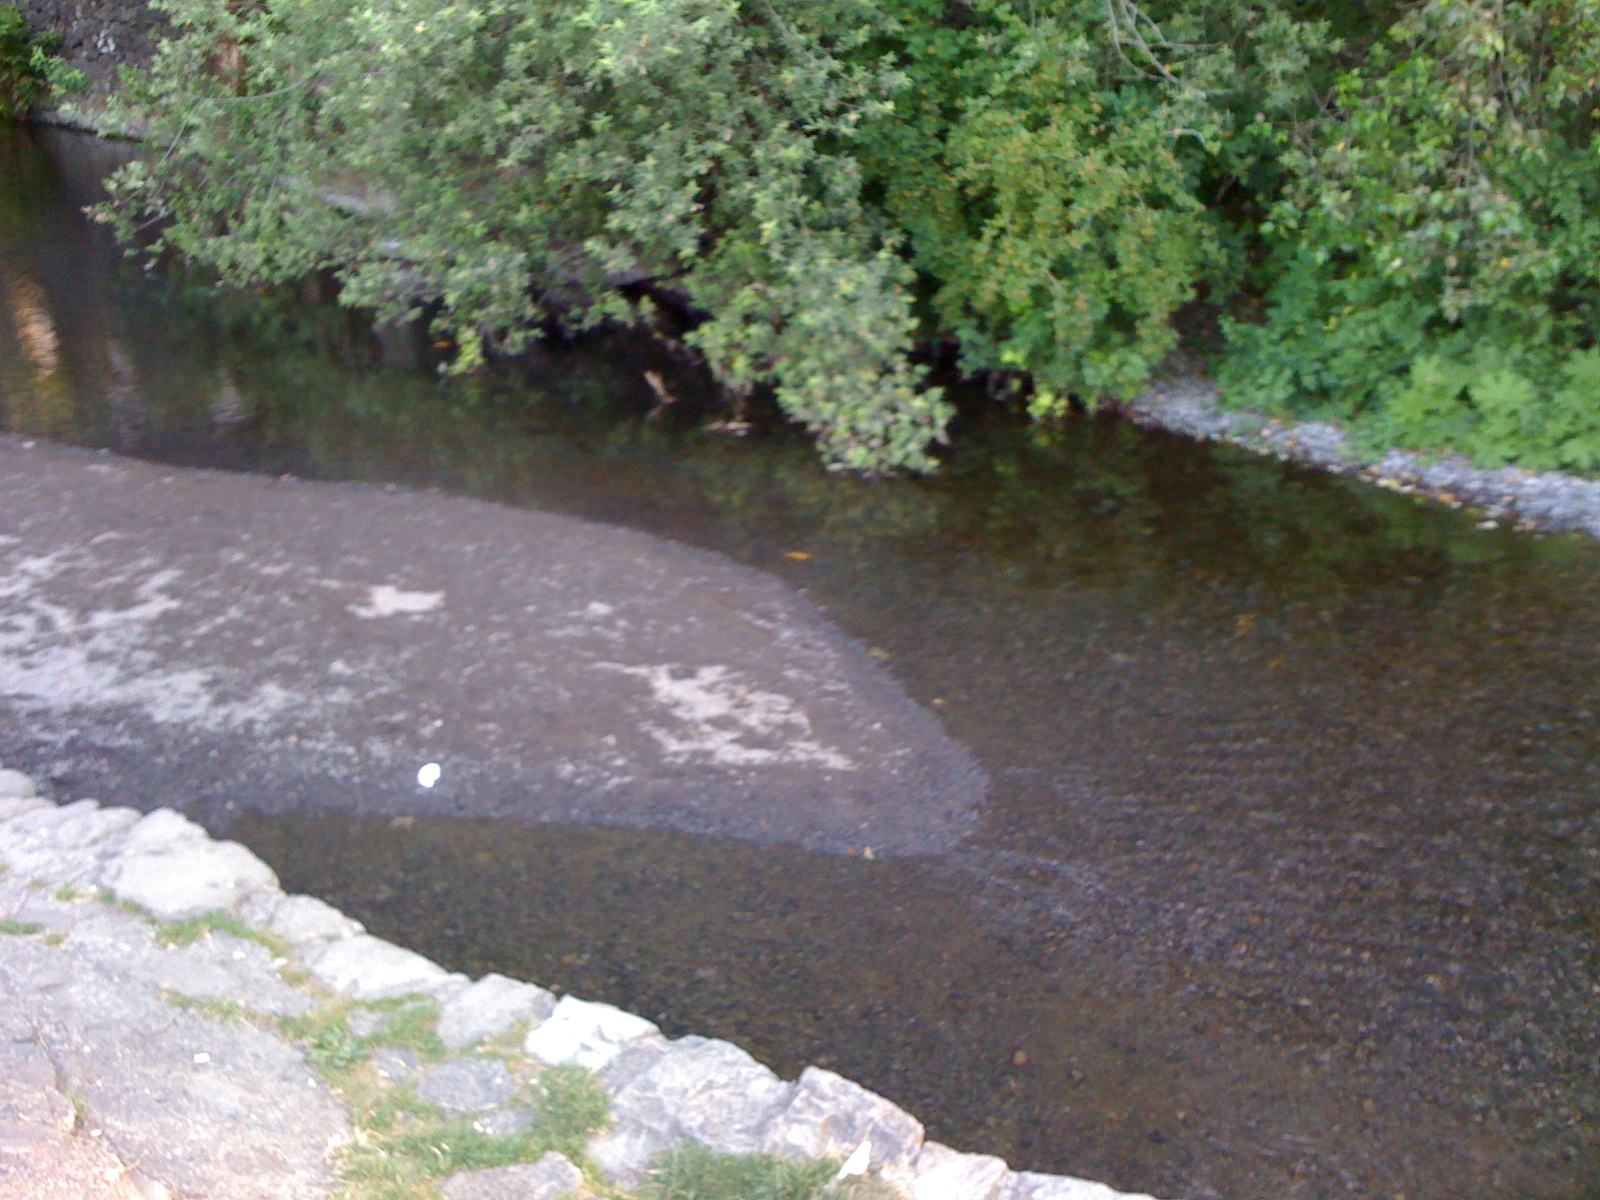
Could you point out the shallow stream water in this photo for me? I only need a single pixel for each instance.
(1289, 881)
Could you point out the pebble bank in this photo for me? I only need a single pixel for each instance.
(1543, 500)
(150, 976)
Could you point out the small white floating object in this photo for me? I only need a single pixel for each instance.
(429, 775)
(202, 1057)
(858, 1161)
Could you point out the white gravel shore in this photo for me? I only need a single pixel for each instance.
(1545, 500)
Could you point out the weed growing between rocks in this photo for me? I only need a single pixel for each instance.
(20, 928)
(692, 1172)
(186, 933)
(403, 1147)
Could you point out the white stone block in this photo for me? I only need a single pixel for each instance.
(65, 844)
(829, 1117)
(1030, 1185)
(706, 1090)
(368, 968)
(14, 785)
(585, 1033)
(307, 921)
(162, 829)
(944, 1174)
(187, 878)
(489, 1008)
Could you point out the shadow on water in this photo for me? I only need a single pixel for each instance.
(1288, 885)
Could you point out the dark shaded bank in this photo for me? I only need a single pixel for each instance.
(1292, 828)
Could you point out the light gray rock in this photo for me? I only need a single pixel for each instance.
(490, 1007)
(635, 1057)
(1026, 1185)
(364, 1022)
(551, 1177)
(467, 1084)
(257, 909)
(160, 830)
(585, 1033)
(28, 1093)
(65, 844)
(395, 1065)
(222, 967)
(170, 866)
(701, 1089)
(368, 968)
(624, 1152)
(307, 921)
(247, 1121)
(945, 1174)
(829, 1116)
(10, 809)
(503, 1122)
(14, 785)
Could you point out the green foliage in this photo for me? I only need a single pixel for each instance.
(19, 928)
(1048, 164)
(511, 162)
(692, 1172)
(1406, 198)
(28, 71)
(1436, 263)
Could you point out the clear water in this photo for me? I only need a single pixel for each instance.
(1290, 882)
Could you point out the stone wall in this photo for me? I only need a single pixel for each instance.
(170, 1053)
(97, 36)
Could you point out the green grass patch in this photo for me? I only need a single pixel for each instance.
(38, 885)
(66, 893)
(217, 1010)
(186, 933)
(107, 896)
(411, 1026)
(20, 928)
(692, 1172)
(403, 1147)
(56, 937)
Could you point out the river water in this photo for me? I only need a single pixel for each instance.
(1289, 880)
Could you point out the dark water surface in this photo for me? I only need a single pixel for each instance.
(1290, 881)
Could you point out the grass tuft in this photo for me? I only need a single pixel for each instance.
(20, 928)
(692, 1172)
(217, 1010)
(186, 933)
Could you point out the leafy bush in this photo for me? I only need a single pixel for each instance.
(1438, 251)
(1048, 164)
(1407, 195)
(28, 71)
(513, 162)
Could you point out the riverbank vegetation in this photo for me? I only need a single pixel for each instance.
(1380, 213)
(28, 70)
